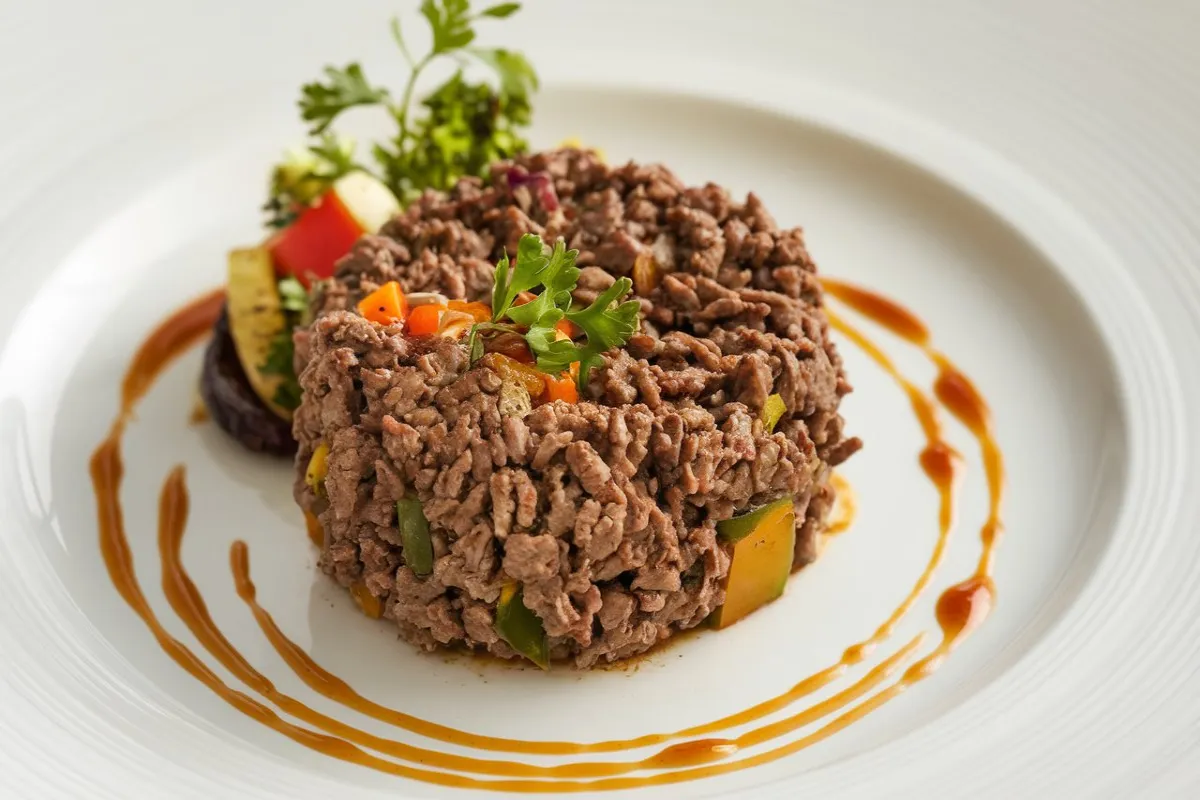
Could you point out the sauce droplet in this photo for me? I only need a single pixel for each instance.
(939, 460)
(959, 395)
(962, 607)
(686, 754)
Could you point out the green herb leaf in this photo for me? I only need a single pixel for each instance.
(604, 324)
(321, 103)
(558, 278)
(306, 174)
(293, 295)
(450, 22)
(517, 76)
(279, 362)
(554, 356)
(501, 11)
(526, 273)
(460, 129)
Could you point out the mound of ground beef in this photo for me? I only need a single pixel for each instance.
(604, 510)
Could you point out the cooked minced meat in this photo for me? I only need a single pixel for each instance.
(604, 510)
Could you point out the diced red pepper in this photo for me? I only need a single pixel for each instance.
(309, 247)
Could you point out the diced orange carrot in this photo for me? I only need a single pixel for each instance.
(423, 320)
(479, 311)
(567, 328)
(561, 389)
(386, 305)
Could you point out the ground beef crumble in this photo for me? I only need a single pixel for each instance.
(604, 510)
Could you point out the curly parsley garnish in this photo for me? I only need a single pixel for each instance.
(605, 323)
(459, 129)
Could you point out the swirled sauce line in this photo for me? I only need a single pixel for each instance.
(941, 465)
(953, 389)
(959, 611)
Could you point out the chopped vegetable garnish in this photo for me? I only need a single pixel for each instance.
(282, 352)
(386, 305)
(322, 233)
(318, 468)
(567, 329)
(316, 533)
(466, 126)
(772, 411)
(646, 273)
(509, 369)
(293, 296)
(305, 174)
(261, 327)
(605, 323)
(764, 543)
(369, 603)
(423, 320)
(414, 536)
(511, 344)
(455, 324)
(520, 627)
(479, 311)
(561, 389)
(514, 400)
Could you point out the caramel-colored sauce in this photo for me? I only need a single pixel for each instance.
(199, 414)
(888, 313)
(845, 507)
(701, 754)
(939, 461)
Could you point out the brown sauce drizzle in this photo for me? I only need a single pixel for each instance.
(959, 610)
(953, 389)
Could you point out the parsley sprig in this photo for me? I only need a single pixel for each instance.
(606, 323)
(464, 127)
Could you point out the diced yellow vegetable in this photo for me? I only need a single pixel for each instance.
(520, 627)
(369, 603)
(316, 532)
(647, 274)
(318, 467)
(764, 545)
(772, 411)
(256, 318)
(575, 143)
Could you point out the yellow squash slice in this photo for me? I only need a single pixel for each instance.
(255, 318)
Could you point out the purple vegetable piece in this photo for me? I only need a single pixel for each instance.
(233, 405)
(538, 183)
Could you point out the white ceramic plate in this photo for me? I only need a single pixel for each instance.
(1019, 174)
